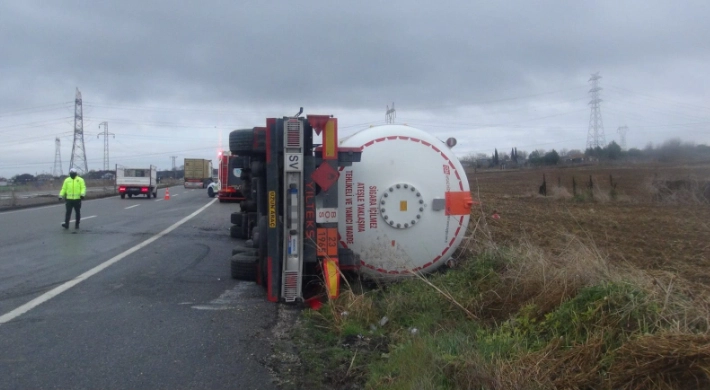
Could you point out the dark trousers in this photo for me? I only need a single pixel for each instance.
(76, 205)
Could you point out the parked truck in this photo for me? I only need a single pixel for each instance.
(198, 173)
(386, 202)
(137, 181)
(228, 187)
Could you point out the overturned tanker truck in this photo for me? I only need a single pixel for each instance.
(385, 202)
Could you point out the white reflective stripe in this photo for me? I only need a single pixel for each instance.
(294, 210)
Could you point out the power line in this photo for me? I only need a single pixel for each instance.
(36, 109)
(30, 125)
(167, 124)
(144, 108)
(663, 100)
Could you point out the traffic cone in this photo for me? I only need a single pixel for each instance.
(167, 193)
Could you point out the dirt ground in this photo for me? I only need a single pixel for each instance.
(657, 217)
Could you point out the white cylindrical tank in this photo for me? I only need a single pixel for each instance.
(394, 211)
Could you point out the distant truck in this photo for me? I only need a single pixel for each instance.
(198, 173)
(137, 181)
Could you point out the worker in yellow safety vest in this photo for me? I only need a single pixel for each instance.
(73, 191)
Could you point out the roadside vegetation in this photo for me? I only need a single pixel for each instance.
(513, 317)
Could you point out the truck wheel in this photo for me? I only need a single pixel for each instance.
(236, 231)
(243, 267)
(130, 195)
(237, 218)
(243, 250)
(210, 192)
(123, 196)
(148, 195)
(248, 206)
(241, 142)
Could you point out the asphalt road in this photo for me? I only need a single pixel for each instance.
(127, 303)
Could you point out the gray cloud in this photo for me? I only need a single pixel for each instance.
(504, 74)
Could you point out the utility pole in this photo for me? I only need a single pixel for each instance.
(595, 134)
(57, 171)
(105, 134)
(390, 114)
(622, 133)
(78, 152)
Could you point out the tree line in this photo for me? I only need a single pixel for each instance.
(673, 150)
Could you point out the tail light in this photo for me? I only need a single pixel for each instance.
(121, 189)
(144, 189)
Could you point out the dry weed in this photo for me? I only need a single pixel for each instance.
(561, 193)
(690, 190)
(660, 361)
(554, 367)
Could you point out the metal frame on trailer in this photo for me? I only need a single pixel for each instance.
(302, 227)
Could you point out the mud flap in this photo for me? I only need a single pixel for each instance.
(332, 277)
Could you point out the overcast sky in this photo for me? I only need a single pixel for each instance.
(173, 78)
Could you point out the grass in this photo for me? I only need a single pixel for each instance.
(515, 317)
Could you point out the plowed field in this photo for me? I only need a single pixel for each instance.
(657, 217)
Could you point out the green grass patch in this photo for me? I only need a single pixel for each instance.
(508, 319)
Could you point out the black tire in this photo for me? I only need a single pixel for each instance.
(123, 196)
(248, 206)
(237, 218)
(210, 192)
(243, 250)
(241, 142)
(148, 195)
(130, 195)
(236, 231)
(243, 267)
(155, 194)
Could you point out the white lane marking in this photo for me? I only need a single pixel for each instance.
(86, 275)
(176, 195)
(83, 219)
(130, 207)
(158, 200)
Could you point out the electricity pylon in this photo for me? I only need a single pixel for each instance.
(78, 152)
